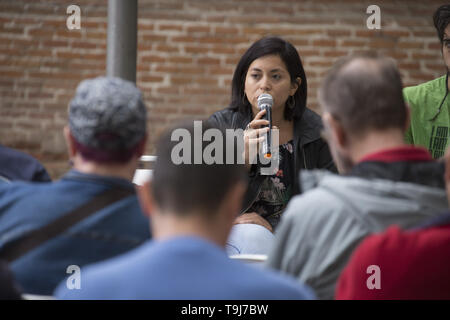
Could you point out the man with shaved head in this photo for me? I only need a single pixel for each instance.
(383, 181)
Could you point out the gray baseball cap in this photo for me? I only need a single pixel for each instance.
(107, 114)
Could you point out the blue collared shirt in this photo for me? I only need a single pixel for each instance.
(112, 230)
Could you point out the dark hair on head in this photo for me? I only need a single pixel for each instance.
(441, 19)
(187, 187)
(289, 55)
(364, 92)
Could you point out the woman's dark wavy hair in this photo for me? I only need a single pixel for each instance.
(441, 19)
(290, 57)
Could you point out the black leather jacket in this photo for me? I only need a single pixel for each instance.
(311, 151)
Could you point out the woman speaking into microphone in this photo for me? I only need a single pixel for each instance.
(271, 66)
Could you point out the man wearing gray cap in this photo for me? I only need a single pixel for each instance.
(51, 230)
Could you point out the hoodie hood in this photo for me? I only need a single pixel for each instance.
(382, 202)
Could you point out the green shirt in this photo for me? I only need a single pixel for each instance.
(424, 101)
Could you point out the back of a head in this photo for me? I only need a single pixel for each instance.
(364, 92)
(107, 119)
(184, 187)
(441, 19)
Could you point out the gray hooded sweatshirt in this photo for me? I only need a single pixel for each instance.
(321, 227)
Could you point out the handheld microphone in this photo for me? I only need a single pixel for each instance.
(265, 102)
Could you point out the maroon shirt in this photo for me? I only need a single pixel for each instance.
(412, 264)
(405, 153)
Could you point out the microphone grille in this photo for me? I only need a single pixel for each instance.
(265, 99)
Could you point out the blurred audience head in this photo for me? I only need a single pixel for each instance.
(187, 191)
(107, 120)
(360, 96)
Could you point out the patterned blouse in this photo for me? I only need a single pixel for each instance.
(276, 190)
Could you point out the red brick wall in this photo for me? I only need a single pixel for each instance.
(187, 51)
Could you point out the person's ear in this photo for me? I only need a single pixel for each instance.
(145, 197)
(71, 149)
(295, 85)
(336, 132)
